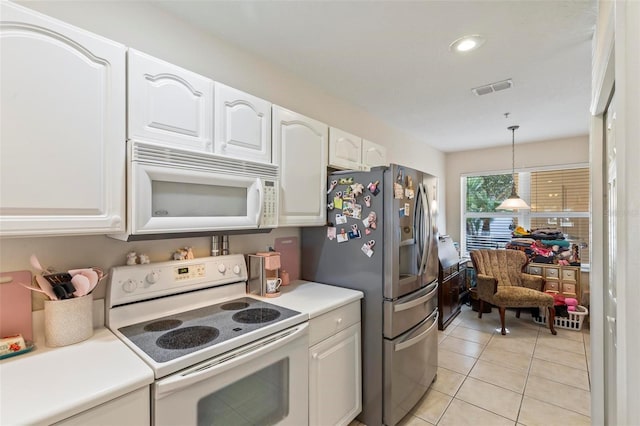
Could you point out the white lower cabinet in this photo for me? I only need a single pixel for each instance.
(335, 367)
(133, 408)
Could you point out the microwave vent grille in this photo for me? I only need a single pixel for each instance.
(162, 155)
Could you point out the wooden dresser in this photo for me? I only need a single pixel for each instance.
(564, 280)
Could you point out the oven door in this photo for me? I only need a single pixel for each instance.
(262, 383)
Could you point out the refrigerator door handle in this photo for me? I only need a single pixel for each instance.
(419, 337)
(416, 302)
(423, 214)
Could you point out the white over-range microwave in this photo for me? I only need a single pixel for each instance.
(180, 192)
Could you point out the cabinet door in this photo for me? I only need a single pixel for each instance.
(345, 150)
(335, 379)
(129, 409)
(62, 168)
(373, 155)
(168, 103)
(300, 149)
(242, 125)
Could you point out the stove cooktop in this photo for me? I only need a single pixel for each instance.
(167, 338)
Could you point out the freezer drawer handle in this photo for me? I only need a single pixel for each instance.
(416, 302)
(419, 337)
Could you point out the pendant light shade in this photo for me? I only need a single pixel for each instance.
(514, 202)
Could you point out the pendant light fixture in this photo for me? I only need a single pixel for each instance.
(514, 202)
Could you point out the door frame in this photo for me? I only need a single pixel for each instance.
(617, 40)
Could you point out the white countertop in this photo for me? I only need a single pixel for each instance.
(313, 298)
(47, 385)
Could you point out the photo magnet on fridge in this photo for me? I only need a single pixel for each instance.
(331, 233)
(341, 219)
(342, 236)
(355, 232)
(398, 191)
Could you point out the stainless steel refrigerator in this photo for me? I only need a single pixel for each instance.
(381, 238)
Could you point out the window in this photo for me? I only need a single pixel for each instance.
(559, 199)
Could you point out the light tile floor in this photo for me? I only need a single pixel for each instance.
(528, 377)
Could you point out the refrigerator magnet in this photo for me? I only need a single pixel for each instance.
(337, 201)
(331, 233)
(347, 208)
(407, 209)
(398, 191)
(330, 206)
(356, 189)
(367, 231)
(342, 236)
(355, 232)
(345, 181)
(332, 186)
(357, 211)
(373, 187)
(341, 219)
(370, 220)
(367, 200)
(367, 248)
(409, 193)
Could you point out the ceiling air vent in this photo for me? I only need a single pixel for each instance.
(493, 87)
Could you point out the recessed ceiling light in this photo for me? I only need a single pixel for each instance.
(467, 43)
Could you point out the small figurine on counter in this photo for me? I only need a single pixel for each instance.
(179, 254)
(189, 254)
(144, 259)
(131, 258)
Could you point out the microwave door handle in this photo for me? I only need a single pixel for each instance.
(260, 190)
(167, 386)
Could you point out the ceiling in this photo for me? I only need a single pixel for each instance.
(392, 59)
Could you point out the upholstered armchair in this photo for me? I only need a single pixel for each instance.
(502, 282)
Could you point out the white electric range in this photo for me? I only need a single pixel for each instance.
(218, 355)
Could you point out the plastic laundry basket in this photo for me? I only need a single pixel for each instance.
(574, 322)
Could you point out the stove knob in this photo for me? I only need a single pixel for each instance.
(152, 277)
(129, 286)
(221, 268)
(236, 269)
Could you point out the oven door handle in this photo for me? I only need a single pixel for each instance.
(167, 386)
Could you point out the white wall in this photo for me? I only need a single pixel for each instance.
(537, 154)
(151, 30)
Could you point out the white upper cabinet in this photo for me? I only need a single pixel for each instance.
(351, 152)
(373, 155)
(242, 125)
(345, 150)
(62, 138)
(168, 103)
(300, 149)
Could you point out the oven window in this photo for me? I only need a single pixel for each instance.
(178, 199)
(259, 399)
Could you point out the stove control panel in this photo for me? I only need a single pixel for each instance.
(141, 282)
(182, 273)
